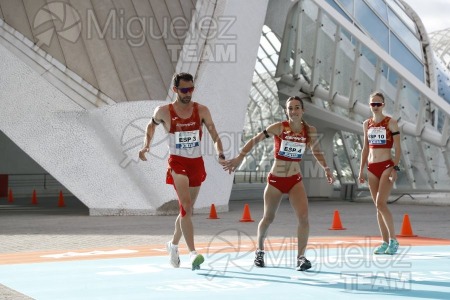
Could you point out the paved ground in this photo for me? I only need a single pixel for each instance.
(26, 228)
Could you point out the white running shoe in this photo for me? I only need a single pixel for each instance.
(196, 260)
(174, 257)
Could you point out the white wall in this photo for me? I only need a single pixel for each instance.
(224, 86)
(276, 15)
(83, 149)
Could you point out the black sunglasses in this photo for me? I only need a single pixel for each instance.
(376, 104)
(186, 90)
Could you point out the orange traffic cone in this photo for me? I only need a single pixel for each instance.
(336, 224)
(34, 198)
(10, 196)
(406, 230)
(61, 200)
(246, 217)
(212, 212)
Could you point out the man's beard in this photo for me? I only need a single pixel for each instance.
(185, 100)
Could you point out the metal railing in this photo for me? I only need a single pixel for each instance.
(40, 181)
(24, 184)
(250, 177)
(324, 55)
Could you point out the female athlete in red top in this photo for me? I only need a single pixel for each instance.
(380, 135)
(291, 138)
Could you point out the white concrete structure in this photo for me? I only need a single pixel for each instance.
(77, 100)
(91, 145)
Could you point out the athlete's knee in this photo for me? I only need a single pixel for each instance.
(268, 218)
(185, 208)
(303, 219)
(381, 205)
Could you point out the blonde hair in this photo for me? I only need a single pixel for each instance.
(379, 94)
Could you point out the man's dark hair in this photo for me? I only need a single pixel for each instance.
(181, 76)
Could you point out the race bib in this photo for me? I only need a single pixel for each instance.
(292, 149)
(187, 139)
(376, 136)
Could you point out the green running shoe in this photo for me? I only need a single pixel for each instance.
(381, 249)
(392, 248)
(196, 260)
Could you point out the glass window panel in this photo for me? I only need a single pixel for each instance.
(372, 24)
(263, 109)
(409, 103)
(406, 58)
(346, 34)
(444, 92)
(339, 9)
(443, 80)
(346, 175)
(440, 120)
(439, 168)
(404, 33)
(345, 57)
(401, 13)
(369, 55)
(273, 39)
(417, 166)
(392, 77)
(380, 7)
(384, 69)
(348, 5)
(266, 47)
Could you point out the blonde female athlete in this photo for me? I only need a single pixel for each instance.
(380, 135)
(291, 137)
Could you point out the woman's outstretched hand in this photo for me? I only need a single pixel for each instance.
(232, 164)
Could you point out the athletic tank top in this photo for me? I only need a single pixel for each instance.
(185, 135)
(290, 146)
(378, 134)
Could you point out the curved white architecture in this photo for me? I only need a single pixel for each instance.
(76, 97)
